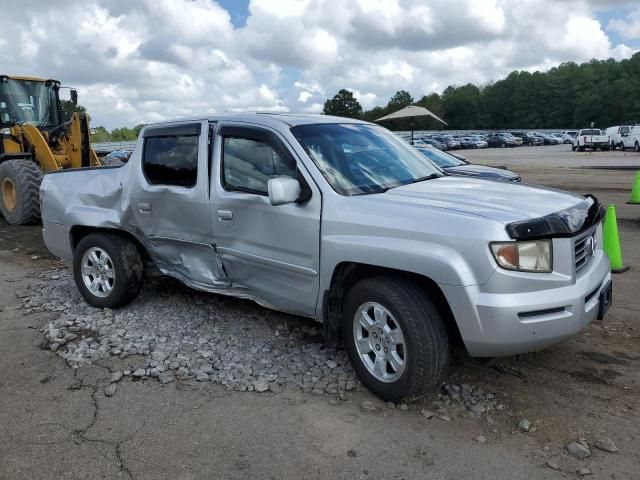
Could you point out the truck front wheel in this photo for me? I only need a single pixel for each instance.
(395, 338)
(107, 269)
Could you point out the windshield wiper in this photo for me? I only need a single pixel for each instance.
(415, 180)
(431, 176)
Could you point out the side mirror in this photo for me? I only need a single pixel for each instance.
(283, 190)
(74, 96)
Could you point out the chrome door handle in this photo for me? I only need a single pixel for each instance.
(225, 215)
(144, 207)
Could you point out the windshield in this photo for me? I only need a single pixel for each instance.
(441, 159)
(362, 159)
(26, 101)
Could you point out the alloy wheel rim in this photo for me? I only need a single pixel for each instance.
(98, 273)
(379, 342)
(9, 196)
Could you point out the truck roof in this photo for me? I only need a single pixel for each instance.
(270, 118)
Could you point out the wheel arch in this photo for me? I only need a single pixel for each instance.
(78, 232)
(346, 274)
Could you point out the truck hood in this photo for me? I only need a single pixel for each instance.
(505, 202)
(482, 171)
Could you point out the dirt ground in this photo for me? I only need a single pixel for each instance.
(56, 422)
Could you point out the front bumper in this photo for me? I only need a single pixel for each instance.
(497, 324)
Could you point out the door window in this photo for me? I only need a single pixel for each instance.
(171, 160)
(249, 163)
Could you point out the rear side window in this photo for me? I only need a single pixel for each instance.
(171, 160)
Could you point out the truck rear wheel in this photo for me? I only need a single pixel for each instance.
(19, 191)
(107, 269)
(395, 338)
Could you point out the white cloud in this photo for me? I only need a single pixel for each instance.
(628, 27)
(155, 59)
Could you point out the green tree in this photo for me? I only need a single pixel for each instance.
(606, 92)
(343, 104)
(137, 128)
(400, 99)
(100, 135)
(68, 107)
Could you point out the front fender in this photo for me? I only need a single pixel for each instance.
(442, 263)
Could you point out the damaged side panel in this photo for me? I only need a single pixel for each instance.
(173, 223)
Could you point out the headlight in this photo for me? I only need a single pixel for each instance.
(536, 256)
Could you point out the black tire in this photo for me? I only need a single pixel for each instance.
(531, 144)
(622, 147)
(636, 147)
(24, 178)
(573, 148)
(127, 264)
(580, 149)
(427, 344)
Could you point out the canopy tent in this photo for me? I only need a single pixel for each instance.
(410, 112)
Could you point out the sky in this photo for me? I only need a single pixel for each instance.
(142, 61)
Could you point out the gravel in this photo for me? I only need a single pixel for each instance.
(464, 400)
(172, 332)
(524, 425)
(110, 390)
(606, 445)
(579, 450)
(552, 465)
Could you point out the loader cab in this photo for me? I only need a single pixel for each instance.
(32, 101)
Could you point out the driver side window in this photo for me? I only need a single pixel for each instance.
(249, 163)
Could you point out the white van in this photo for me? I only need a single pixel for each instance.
(615, 135)
(631, 139)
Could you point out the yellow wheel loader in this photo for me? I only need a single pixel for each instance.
(35, 138)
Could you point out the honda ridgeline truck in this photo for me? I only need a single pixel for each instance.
(340, 221)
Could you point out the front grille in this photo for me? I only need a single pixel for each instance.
(584, 247)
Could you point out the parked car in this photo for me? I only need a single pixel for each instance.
(502, 140)
(550, 139)
(547, 139)
(434, 143)
(244, 204)
(568, 136)
(116, 157)
(468, 142)
(590, 138)
(518, 141)
(631, 139)
(528, 138)
(454, 165)
(615, 135)
(448, 140)
(479, 141)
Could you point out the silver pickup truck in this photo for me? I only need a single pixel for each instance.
(340, 221)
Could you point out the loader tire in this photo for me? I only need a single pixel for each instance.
(19, 191)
